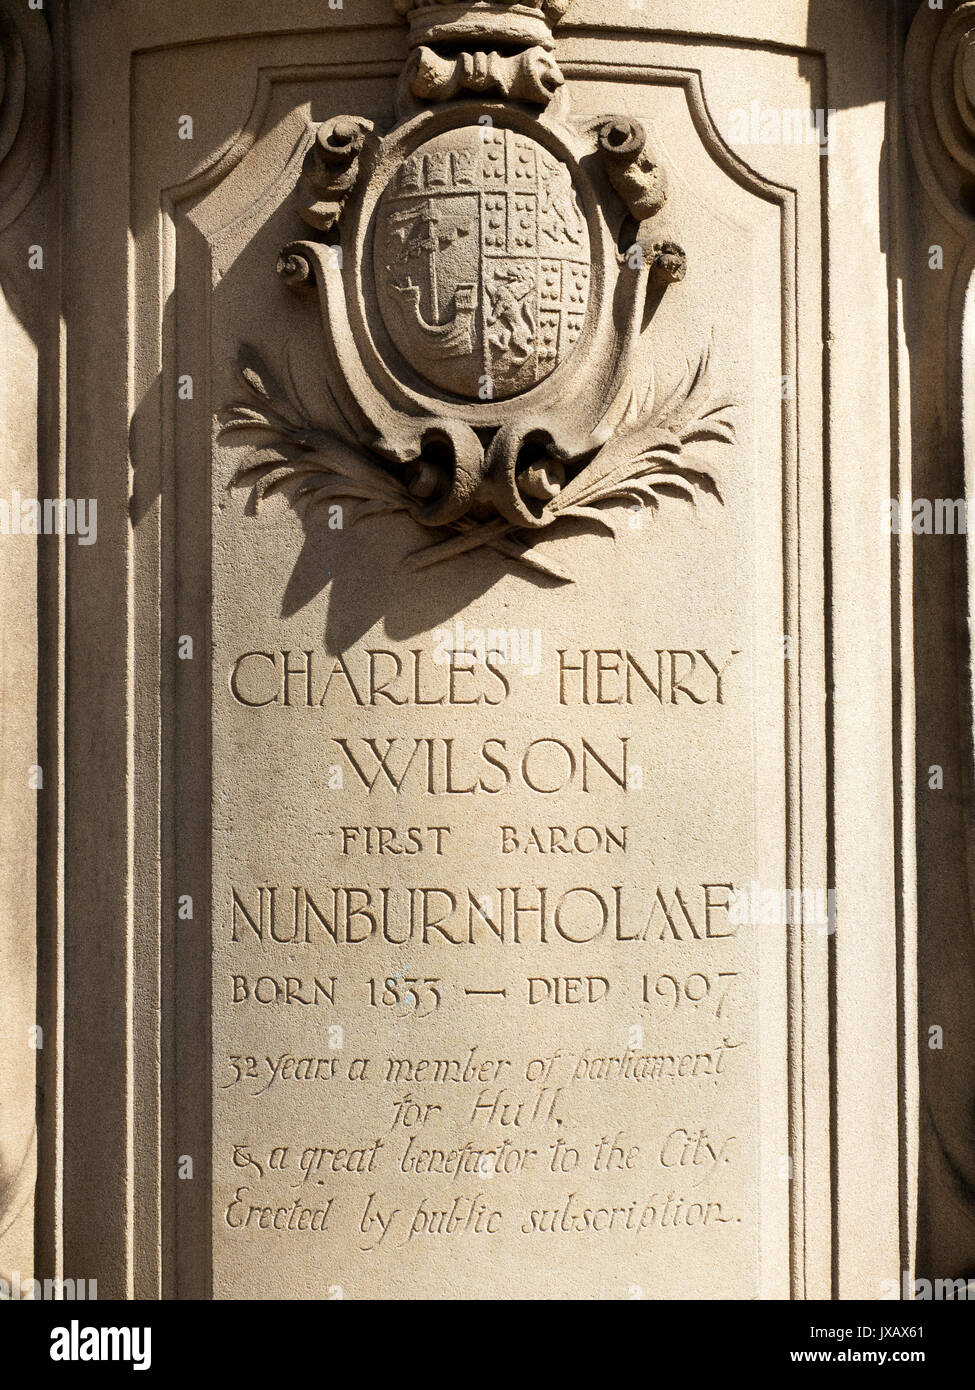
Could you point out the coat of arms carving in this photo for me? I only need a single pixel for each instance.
(474, 265)
(481, 260)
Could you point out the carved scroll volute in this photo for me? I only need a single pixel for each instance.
(26, 93)
(940, 105)
(475, 264)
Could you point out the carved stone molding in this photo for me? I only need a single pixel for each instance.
(26, 78)
(28, 339)
(939, 272)
(940, 92)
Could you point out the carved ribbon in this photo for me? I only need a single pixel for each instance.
(529, 76)
(330, 171)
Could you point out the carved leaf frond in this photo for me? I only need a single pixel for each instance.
(703, 481)
(673, 487)
(590, 514)
(357, 469)
(242, 417)
(686, 483)
(671, 406)
(661, 451)
(262, 383)
(278, 480)
(326, 486)
(645, 460)
(714, 425)
(376, 508)
(616, 463)
(294, 395)
(260, 460)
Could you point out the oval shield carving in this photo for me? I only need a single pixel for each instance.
(482, 262)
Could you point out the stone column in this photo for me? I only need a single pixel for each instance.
(486, 784)
(29, 668)
(937, 329)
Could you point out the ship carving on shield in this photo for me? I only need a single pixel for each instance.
(423, 240)
(487, 271)
(482, 262)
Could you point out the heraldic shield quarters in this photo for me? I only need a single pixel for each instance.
(487, 271)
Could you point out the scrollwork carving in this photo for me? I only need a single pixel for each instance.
(533, 75)
(330, 170)
(470, 268)
(940, 92)
(26, 95)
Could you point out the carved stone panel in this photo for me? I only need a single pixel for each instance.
(481, 814)
(501, 548)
